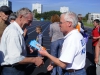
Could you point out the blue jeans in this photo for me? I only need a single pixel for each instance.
(57, 70)
(80, 72)
(12, 71)
(55, 51)
(56, 47)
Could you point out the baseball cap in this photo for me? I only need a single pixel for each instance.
(6, 10)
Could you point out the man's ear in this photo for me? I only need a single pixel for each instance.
(20, 16)
(70, 24)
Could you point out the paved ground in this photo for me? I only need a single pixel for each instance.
(32, 70)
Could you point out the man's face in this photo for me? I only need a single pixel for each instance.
(27, 20)
(63, 25)
(79, 18)
(94, 23)
(4, 16)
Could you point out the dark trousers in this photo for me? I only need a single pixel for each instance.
(93, 51)
(0, 69)
(13, 70)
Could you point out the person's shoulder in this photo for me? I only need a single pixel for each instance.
(41, 34)
(76, 34)
(11, 28)
(51, 24)
(54, 23)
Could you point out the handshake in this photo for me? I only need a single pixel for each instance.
(38, 61)
(35, 45)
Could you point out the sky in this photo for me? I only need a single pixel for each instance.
(78, 6)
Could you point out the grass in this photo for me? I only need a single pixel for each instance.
(88, 24)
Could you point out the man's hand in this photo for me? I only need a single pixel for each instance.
(29, 49)
(43, 52)
(96, 60)
(38, 61)
(25, 32)
(50, 67)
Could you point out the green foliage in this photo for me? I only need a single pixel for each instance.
(35, 11)
(47, 15)
(84, 19)
(88, 24)
(86, 16)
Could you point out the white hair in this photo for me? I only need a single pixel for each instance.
(72, 17)
(23, 11)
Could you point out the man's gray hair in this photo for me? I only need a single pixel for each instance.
(23, 11)
(72, 17)
(12, 16)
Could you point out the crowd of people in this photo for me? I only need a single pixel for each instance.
(68, 44)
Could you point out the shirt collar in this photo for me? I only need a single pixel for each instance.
(71, 32)
(18, 27)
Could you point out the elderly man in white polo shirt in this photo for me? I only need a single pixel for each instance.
(73, 53)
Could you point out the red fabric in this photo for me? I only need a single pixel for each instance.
(95, 33)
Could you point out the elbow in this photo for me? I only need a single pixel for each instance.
(63, 66)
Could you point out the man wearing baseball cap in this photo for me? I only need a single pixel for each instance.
(4, 13)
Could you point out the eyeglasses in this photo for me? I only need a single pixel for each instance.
(63, 22)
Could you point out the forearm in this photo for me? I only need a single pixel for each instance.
(24, 34)
(96, 38)
(81, 30)
(97, 50)
(27, 60)
(57, 61)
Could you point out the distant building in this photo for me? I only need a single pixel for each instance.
(37, 7)
(6, 2)
(93, 16)
(64, 9)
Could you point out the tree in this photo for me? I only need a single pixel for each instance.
(86, 16)
(47, 15)
(35, 12)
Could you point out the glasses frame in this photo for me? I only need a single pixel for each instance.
(63, 22)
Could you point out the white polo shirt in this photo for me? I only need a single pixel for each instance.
(73, 50)
(12, 44)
